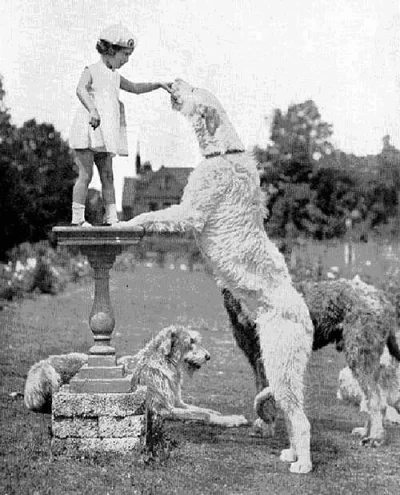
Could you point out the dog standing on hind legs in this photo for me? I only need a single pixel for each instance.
(224, 206)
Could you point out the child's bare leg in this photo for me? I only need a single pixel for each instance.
(84, 161)
(104, 164)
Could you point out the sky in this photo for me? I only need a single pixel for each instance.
(254, 55)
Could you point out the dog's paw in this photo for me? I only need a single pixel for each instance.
(236, 420)
(372, 442)
(288, 455)
(301, 467)
(231, 421)
(262, 429)
(361, 431)
(240, 420)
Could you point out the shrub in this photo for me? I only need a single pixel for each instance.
(39, 268)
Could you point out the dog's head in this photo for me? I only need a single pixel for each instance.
(213, 129)
(182, 346)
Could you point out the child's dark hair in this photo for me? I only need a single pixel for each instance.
(106, 48)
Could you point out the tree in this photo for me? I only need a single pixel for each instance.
(299, 138)
(385, 196)
(11, 196)
(46, 175)
(36, 179)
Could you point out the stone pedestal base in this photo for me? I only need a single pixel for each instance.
(102, 422)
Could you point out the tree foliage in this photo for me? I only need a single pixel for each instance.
(36, 179)
(313, 189)
(298, 137)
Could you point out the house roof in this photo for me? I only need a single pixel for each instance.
(181, 173)
(145, 184)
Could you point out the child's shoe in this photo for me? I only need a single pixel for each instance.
(84, 223)
(110, 217)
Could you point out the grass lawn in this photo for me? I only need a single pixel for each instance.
(207, 460)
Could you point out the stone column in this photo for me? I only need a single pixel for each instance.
(99, 409)
(101, 373)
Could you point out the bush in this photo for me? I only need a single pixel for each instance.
(39, 268)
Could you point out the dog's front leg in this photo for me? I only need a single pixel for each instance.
(199, 409)
(206, 188)
(184, 414)
(203, 416)
(176, 218)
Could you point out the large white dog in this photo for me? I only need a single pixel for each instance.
(224, 206)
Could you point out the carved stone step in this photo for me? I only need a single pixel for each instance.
(101, 385)
(100, 372)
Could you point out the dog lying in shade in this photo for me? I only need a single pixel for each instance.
(159, 366)
(351, 314)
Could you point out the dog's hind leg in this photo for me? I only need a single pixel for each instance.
(286, 347)
(365, 340)
(373, 434)
(246, 336)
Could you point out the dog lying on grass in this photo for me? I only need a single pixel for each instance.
(389, 388)
(351, 314)
(159, 366)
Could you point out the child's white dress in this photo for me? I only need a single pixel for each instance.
(110, 136)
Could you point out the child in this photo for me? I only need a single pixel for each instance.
(99, 129)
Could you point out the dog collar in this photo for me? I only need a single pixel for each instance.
(219, 153)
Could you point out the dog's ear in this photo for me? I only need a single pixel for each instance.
(166, 345)
(212, 119)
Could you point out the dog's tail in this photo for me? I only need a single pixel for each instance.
(392, 345)
(261, 401)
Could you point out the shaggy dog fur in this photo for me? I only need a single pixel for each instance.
(47, 376)
(225, 208)
(159, 366)
(349, 313)
(389, 389)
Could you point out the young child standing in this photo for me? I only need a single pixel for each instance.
(98, 130)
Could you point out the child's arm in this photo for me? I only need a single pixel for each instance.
(84, 97)
(139, 88)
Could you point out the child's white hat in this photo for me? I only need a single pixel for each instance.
(119, 35)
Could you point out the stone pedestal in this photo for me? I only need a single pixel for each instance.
(102, 422)
(99, 409)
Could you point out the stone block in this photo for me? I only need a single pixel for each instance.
(73, 446)
(100, 372)
(75, 427)
(130, 426)
(68, 404)
(98, 360)
(101, 385)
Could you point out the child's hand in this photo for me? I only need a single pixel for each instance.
(167, 87)
(94, 119)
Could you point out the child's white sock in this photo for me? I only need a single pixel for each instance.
(111, 216)
(78, 213)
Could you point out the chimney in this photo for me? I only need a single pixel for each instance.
(137, 161)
